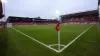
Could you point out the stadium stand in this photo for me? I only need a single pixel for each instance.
(2, 24)
(81, 17)
(88, 17)
(29, 21)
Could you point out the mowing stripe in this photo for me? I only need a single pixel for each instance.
(75, 39)
(36, 40)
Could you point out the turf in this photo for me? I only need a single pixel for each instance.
(3, 41)
(85, 45)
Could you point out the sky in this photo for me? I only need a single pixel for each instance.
(47, 9)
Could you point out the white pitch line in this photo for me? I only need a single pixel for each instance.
(37, 41)
(56, 44)
(75, 39)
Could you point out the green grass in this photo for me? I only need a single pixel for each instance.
(86, 45)
(3, 41)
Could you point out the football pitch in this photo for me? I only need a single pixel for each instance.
(42, 40)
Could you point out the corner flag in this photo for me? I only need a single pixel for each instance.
(57, 27)
(58, 30)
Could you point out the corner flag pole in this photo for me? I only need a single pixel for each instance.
(58, 28)
(59, 40)
(59, 34)
(58, 31)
